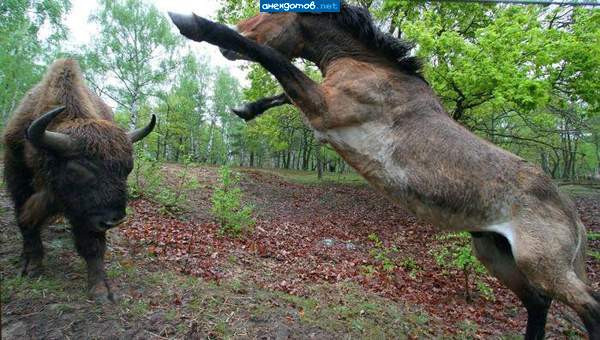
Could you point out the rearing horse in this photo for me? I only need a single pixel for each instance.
(378, 113)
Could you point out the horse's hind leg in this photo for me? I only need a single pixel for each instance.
(549, 253)
(571, 290)
(493, 250)
(591, 317)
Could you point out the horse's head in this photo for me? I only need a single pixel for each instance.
(280, 31)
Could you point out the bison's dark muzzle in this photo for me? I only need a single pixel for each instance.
(107, 220)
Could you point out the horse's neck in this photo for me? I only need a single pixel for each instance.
(358, 91)
(325, 43)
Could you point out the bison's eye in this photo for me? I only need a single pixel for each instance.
(79, 174)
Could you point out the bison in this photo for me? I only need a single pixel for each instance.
(65, 155)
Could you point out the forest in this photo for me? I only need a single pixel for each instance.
(522, 77)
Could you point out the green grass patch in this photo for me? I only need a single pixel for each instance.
(19, 287)
(579, 190)
(138, 307)
(118, 270)
(310, 177)
(594, 254)
(346, 308)
(593, 235)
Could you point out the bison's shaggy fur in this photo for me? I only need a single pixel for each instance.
(87, 185)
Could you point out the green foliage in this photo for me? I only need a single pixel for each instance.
(368, 270)
(384, 255)
(309, 178)
(468, 329)
(456, 253)
(387, 258)
(175, 197)
(146, 178)
(485, 290)
(231, 12)
(148, 181)
(19, 287)
(142, 46)
(524, 77)
(409, 264)
(233, 215)
(520, 76)
(24, 53)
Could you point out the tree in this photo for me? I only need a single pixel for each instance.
(224, 126)
(182, 112)
(519, 75)
(24, 53)
(133, 54)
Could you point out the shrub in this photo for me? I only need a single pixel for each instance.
(411, 265)
(174, 197)
(148, 181)
(456, 253)
(146, 178)
(384, 255)
(233, 216)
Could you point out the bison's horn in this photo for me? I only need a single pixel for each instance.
(54, 141)
(139, 134)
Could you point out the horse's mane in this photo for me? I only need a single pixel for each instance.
(358, 22)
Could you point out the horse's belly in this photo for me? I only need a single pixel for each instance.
(369, 149)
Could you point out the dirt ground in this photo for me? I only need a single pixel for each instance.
(326, 260)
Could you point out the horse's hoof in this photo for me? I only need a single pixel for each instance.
(192, 26)
(243, 113)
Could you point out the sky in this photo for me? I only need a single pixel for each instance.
(81, 32)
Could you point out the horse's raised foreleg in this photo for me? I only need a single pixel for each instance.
(249, 111)
(300, 89)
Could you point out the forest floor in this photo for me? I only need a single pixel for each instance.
(327, 260)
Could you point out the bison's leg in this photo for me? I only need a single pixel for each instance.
(33, 251)
(18, 180)
(31, 217)
(494, 251)
(92, 246)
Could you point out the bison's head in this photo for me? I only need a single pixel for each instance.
(87, 165)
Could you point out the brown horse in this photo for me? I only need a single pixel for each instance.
(379, 114)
